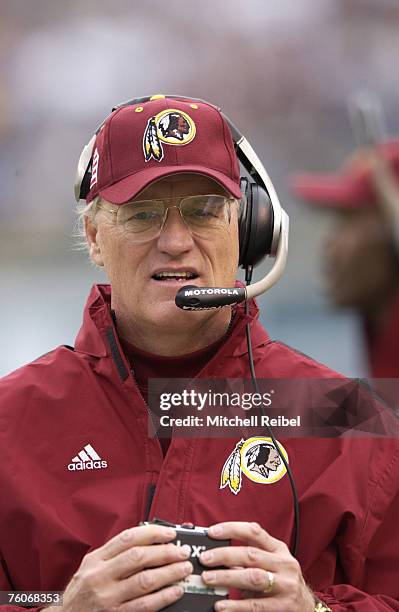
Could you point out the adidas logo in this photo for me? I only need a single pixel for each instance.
(87, 459)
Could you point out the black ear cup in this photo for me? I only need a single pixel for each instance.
(243, 225)
(256, 224)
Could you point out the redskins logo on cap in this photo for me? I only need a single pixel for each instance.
(170, 126)
(258, 459)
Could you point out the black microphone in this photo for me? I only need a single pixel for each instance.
(191, 297)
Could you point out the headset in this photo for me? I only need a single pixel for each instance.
(263, 231)
(263, 224)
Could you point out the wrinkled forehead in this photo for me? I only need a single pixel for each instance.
(181, 184)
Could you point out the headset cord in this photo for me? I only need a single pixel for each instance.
(295, 535)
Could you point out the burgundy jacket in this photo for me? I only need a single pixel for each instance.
(82, 404)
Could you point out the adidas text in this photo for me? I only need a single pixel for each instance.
(87, 465)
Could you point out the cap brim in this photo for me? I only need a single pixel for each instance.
(327, 191)
(130, 186)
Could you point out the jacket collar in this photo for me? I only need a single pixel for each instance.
(97, 319)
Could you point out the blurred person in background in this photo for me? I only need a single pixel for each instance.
(361, 252)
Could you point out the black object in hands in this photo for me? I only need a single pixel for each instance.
(198, 596)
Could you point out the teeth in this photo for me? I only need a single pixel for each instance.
(174, 275)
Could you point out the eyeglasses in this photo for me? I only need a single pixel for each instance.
(204, 215)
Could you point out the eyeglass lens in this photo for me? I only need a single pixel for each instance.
(201, 213)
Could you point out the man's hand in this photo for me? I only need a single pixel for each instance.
(131, 571)
(249, 569)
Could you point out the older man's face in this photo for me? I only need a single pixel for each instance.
(131, 268)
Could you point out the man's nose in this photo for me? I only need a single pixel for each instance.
(175, 236)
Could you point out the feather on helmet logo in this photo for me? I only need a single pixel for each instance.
(170, 126)
(258, 459)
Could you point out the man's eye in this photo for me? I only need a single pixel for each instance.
(202, 213)
(143, 215)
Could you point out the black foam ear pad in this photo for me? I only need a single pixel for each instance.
(243, 225)
(255, 224)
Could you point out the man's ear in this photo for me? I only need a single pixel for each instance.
(94, 247)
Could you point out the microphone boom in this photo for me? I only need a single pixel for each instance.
(192, 297)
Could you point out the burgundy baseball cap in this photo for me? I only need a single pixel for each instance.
(352, 188)
(143, 142)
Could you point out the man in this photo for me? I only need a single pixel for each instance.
(78, 469)
(362, 250)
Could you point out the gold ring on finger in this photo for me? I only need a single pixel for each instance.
(270, 585)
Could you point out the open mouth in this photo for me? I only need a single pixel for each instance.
(174, 276)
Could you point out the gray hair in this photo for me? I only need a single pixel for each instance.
(79, 234)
